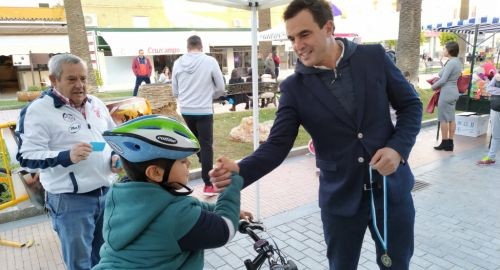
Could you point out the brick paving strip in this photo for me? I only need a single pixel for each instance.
(456, 227)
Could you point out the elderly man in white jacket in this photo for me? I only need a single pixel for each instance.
(60, 136)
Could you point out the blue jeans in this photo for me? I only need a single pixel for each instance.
(138, 82)
(77, 219)
(495, 133)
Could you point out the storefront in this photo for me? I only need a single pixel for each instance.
(231, 48)
(24, 58)
(113, 51)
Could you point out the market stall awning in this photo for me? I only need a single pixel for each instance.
(467, 26)
(23, 44)
(128, 43)
(474, 27)
(279, 34)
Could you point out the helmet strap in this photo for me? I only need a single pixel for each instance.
(173, 187)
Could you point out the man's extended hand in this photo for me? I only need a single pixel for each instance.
(386, 161)
(220, 175)
(79, 152)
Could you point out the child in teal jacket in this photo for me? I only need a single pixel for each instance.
(149, 221)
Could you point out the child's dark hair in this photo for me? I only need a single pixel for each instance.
(137, 171)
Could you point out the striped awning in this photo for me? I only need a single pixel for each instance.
(468, 26)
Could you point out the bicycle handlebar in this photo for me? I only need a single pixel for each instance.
(264, 249)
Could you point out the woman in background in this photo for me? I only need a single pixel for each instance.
(238, 98)
(165, 76)
(448, 97)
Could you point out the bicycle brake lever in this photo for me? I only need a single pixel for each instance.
(257, 226)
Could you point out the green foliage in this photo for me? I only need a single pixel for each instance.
(391, 43)
(446, 37)
(5, 195)
(98, 78)
(423, 39)
(34, 88)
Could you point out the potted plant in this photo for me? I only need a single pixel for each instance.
(32, 93)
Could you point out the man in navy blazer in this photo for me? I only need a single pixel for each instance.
(341, 92)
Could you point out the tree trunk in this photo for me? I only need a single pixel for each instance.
(464, 14)
(78, 42)
(265, 47)
(408, 47)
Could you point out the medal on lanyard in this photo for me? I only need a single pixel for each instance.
(386, 260)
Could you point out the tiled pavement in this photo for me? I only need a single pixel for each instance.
(456, 224)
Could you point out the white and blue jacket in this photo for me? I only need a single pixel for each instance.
(47, 129)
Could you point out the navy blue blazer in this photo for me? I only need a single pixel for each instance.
(344, 142)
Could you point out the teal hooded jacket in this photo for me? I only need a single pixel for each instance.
(143, 224)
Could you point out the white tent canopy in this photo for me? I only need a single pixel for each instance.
(245, 4)
(253, 6)
(279, 34)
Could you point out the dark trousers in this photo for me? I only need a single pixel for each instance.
(138, 81)
(202, 127)
(344, 235)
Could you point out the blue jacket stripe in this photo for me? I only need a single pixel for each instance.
(73, 181)
(62, 159)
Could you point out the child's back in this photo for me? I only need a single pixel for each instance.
(147, 227)
(152, 223)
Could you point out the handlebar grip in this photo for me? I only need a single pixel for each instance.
(244, 224)
(242, 227)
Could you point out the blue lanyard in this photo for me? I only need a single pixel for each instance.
(383, 241)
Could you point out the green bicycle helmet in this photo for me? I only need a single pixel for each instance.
(151, 137)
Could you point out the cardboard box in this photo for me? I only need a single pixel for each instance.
(471, 124)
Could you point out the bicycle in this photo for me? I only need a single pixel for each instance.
(265, 251)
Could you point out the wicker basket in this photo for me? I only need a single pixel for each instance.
(160, 98)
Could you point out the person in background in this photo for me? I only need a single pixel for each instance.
(150, 221)
(141, 66)
(493, 89)
(448, 96)
(249, 77)
(277, 63)
(249, 80)
(269, 66)
(391, 54)
(165, 76)
(261, 66)
(196, 81)
(238, 98)
(340, 93)
(408, 79)
(55, 134)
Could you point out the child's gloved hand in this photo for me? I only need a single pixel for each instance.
(246, 215)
